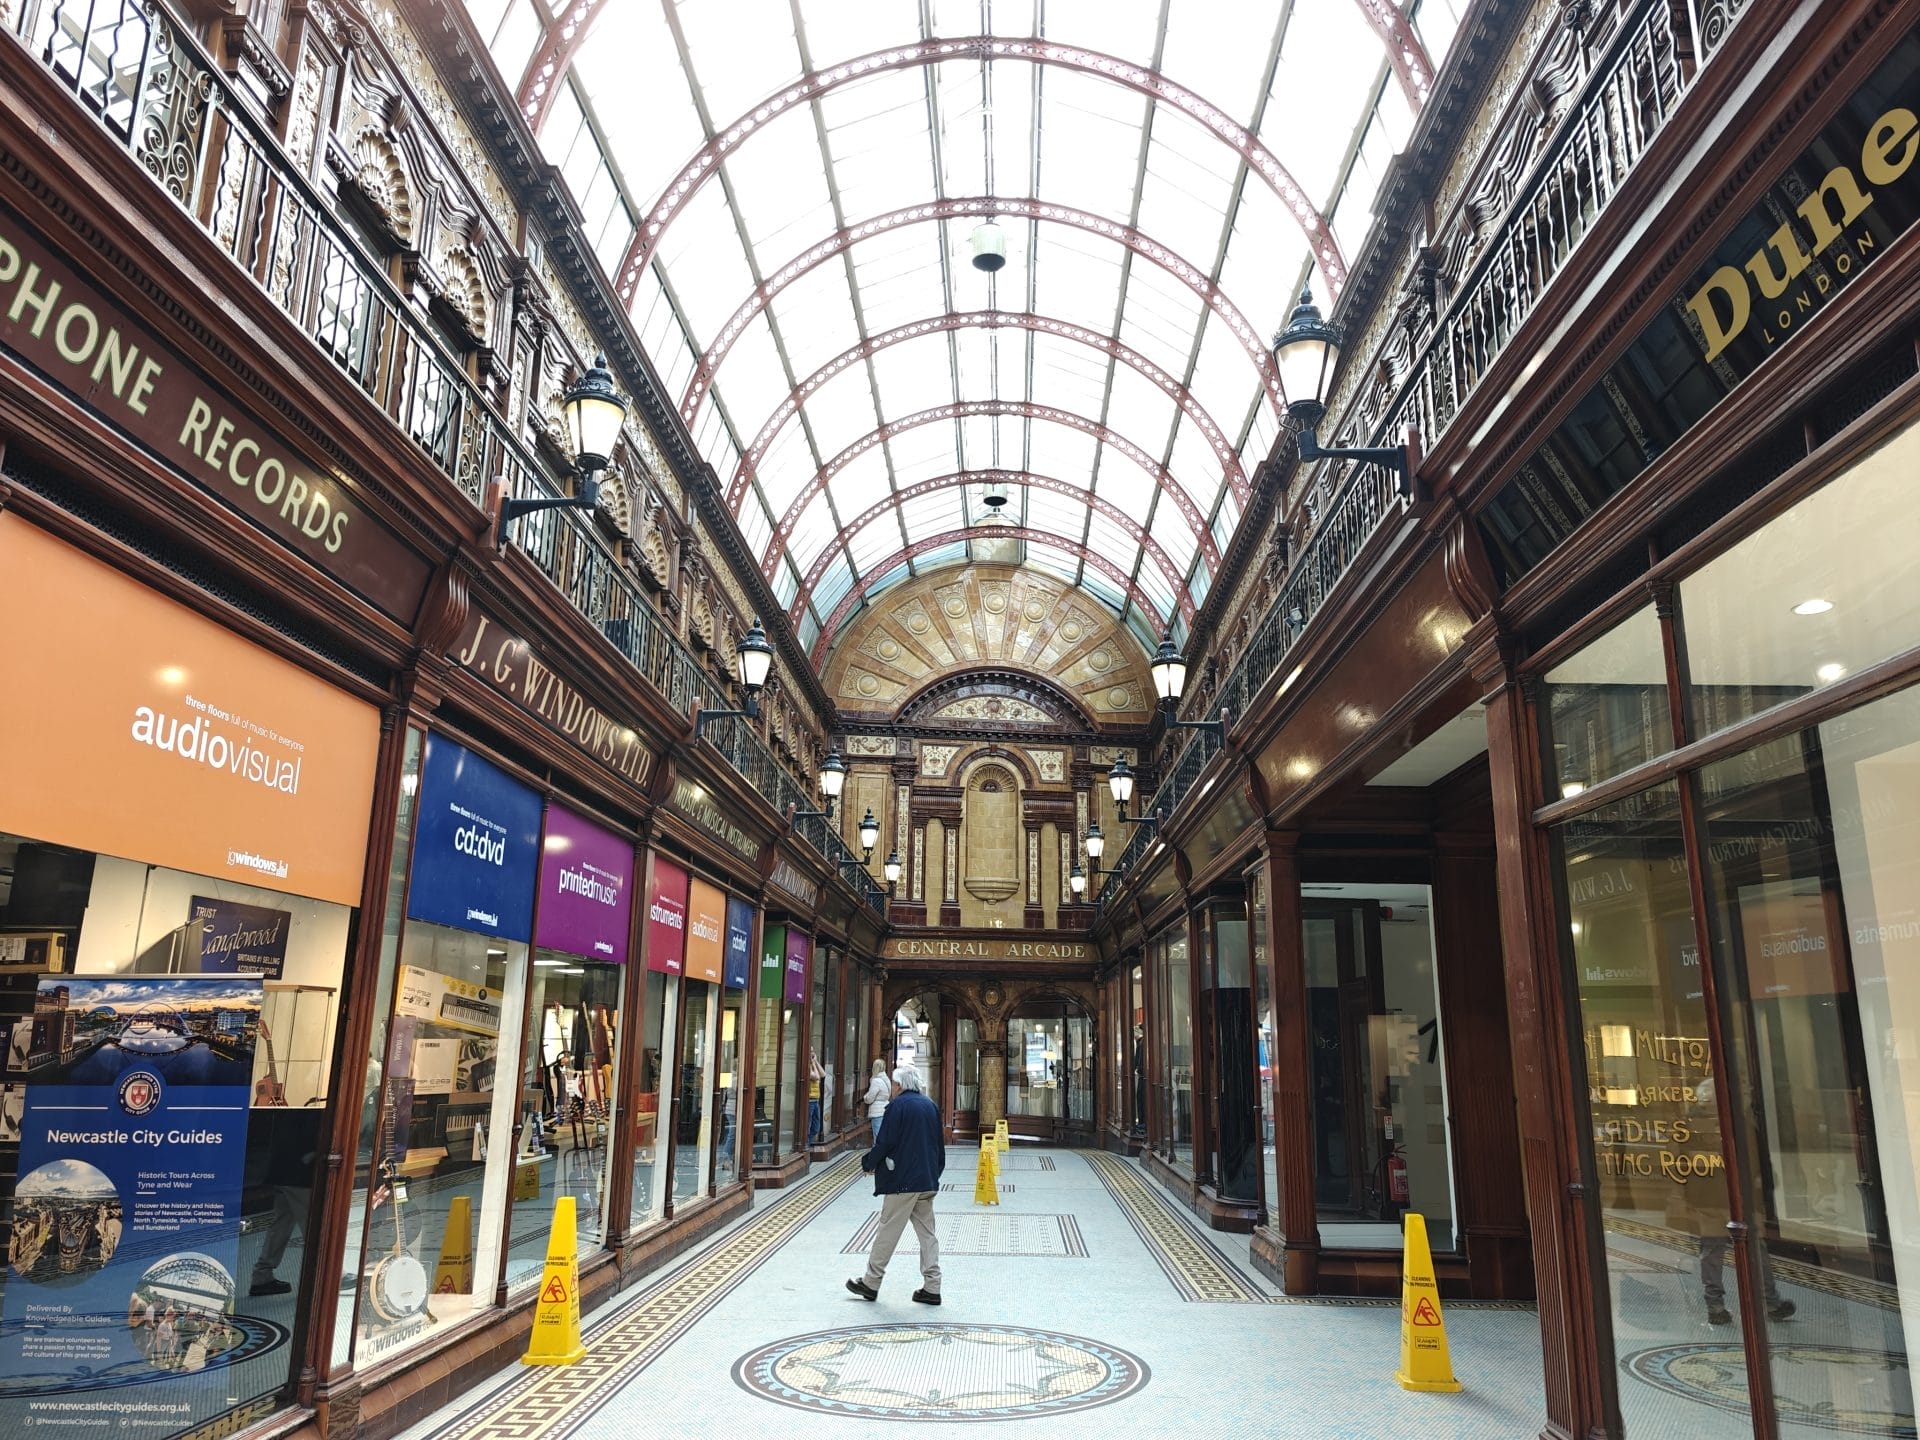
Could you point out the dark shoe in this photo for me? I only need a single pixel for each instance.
(859, 1288)
(1781, 1310)
(1719, 1315)
(274, 1286)
(927, 1297)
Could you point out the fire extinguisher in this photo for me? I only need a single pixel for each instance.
(1397, 1178)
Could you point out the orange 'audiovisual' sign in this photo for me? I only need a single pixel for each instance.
(706, 930)
(138, 729)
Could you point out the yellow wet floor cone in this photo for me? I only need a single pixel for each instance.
(1424, 1362)
(986, 1187)
(453, 1275)
(1001, 1140)
(556, 1315)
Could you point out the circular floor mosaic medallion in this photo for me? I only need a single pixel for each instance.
(940, 1372)
(1716, 1372)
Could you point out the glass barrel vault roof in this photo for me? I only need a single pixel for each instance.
(783, 192)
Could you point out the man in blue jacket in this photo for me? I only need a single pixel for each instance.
(906, 1162)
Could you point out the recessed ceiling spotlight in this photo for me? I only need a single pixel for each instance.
(1829, 672)
(1814, 606)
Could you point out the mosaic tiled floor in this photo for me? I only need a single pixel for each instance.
(941, 1372)
(754, 1336)
(971, 1232)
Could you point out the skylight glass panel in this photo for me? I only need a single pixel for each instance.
(1125, 483)
(1069, 375)
(1352, 217)
(1199, 586)
(932, 513)
(1145, 629)
(1064, 453)
(973, 359)
(886, 582)
(841, 411)
(1225, 521)
(1058, 513)
(741, 51)
(677, 369)
(1051, 558)
(812, 533)
(1224, 378)
(863, 482)
(877, 136)
(486, 16)
(1328, 63)
(833, 585)
(1108, 537)
(1195, 466)
(1158, 587)
(976, 443)
(1220, 51)
(1010, 123)
(1437, 22)
(1265, 258)
(932, 560)
(875, 541)
(925, 451)
(755, 527)
(1102, 589)
(786, 584)
(640, 96)
(652, 316)
(1261, 433)
(709, 436)
(1126, 28)
(809, 630)
(615, 236)
(841, 29)
(1089, 142)
(753, 379)
(779, 184)
(560, 131)
(1189, 186)
(1170, 530)
(963, 144)
(899, 277)
(515, 40)
(915, 375)
(786, 469)
(815, 327)
(582, 160)
(1077, 278)
(704, 263)
(1161, 339)
(1141, 410)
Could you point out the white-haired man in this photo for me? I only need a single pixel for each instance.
(906, 1162)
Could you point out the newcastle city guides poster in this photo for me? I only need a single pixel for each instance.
(123, 1252)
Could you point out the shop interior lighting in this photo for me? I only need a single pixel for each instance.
(1306, 354)
(1829, 672)
(595, 412)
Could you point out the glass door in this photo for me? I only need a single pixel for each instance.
(693, 1116)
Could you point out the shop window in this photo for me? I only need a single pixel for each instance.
(728, 1079)
(1607, 707)
(1176, 1050)
(1228, 1022)
(647, 1202)
(1138, 1083)
(567, 1107)
(820, 1074)
(854, 1060)
(1817, 594)
(1650, 1077)
(693, 1115)
(793, 1088)
(229, 994)
(1263, 1037)
(966, 1067)
(766, 1148)
(1376, 1076)
(1812, 865)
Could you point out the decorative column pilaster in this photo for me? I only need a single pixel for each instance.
(1034, 917)
(993, 1081)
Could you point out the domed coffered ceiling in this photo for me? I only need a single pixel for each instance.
(784, 193)
(978, 621)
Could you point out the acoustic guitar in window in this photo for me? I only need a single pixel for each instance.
(267, 1090)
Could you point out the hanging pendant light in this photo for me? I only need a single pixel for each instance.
(989, 244)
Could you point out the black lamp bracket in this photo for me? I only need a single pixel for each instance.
(512, 509)
(1397, 458)
(1217, 726)
(749, 711)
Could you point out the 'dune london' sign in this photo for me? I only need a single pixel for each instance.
(64, 326)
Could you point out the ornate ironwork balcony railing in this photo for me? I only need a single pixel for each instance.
(1633, 90)
(148, 82)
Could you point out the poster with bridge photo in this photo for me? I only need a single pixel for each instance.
(124, 1245)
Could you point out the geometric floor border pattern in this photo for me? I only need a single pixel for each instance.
(1063, 1239)
(1196, 1266)
(552, 1402)
(1199, 1272)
